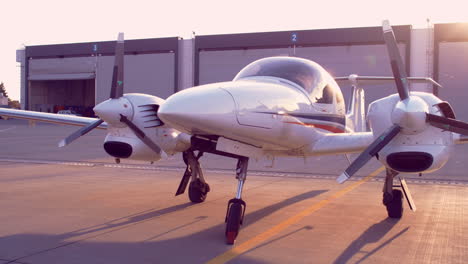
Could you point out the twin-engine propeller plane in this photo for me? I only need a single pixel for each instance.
(277, 106)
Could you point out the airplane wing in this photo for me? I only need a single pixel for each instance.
(376, 80)
(340, 143)
(50, 118)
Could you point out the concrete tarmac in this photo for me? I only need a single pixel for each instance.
(74, 205)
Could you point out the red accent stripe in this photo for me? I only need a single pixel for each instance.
(321, 126)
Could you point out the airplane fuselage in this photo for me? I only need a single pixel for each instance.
(270, 112)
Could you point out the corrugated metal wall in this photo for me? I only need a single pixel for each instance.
(453, 75)
(144, 73)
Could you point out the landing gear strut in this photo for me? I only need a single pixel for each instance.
(198, 188)
(236, 207)
(393, 198)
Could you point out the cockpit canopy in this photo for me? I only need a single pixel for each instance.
(310, 76)
(305, 73)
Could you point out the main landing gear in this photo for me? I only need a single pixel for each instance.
(236, 207)
(198, 188)
(393, 198)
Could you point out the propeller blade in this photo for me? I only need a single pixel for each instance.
(80, 132)
(116, 90)
(117, 87)
(448, 124)
(398, 68)
(141, 135)
(369, 152)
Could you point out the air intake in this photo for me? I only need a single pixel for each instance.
(118, 149)
(410, 161)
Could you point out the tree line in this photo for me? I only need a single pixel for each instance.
(11, 103)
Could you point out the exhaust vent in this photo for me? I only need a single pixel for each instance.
(149, 113)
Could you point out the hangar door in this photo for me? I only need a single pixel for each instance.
(223, 65)
(152, 74)
(453, 76)
(62, 84)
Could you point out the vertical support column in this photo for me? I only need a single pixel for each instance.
(185, 64)
(421, 58)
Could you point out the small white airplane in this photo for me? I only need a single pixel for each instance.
(277, 106)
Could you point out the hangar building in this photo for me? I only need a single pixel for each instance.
(78, 75)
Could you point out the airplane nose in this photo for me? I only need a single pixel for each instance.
(199, 110)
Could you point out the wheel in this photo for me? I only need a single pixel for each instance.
(198, 191)
(233, 222)
(395, 206)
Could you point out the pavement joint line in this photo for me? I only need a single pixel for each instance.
(223, 171)
(13, 261)
(85, 164)
(6, 129)
(266, 235)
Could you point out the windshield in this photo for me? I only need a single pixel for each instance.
(303, 72)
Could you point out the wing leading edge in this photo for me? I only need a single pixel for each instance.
(340, 143)
(376, 80)
(50, 118)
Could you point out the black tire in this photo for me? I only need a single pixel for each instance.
(395, 206)
(198, 191)
(233, 223)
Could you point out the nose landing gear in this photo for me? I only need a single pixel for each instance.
(198, 188)
(236, 207)
(234, 219)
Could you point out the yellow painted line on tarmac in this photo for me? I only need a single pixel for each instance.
(260, 238)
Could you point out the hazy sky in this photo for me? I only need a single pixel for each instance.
(30, 22)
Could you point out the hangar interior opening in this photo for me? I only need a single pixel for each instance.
(55, 95)
(77, 76)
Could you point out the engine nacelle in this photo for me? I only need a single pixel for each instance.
(121, 142)
(411, 151)
(129, 148)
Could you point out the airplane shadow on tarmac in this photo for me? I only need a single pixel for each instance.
(128, 220)
(78, 246)
(372, 235)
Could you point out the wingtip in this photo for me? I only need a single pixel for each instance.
(342, 178)
(386, 25)
(62, 143)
